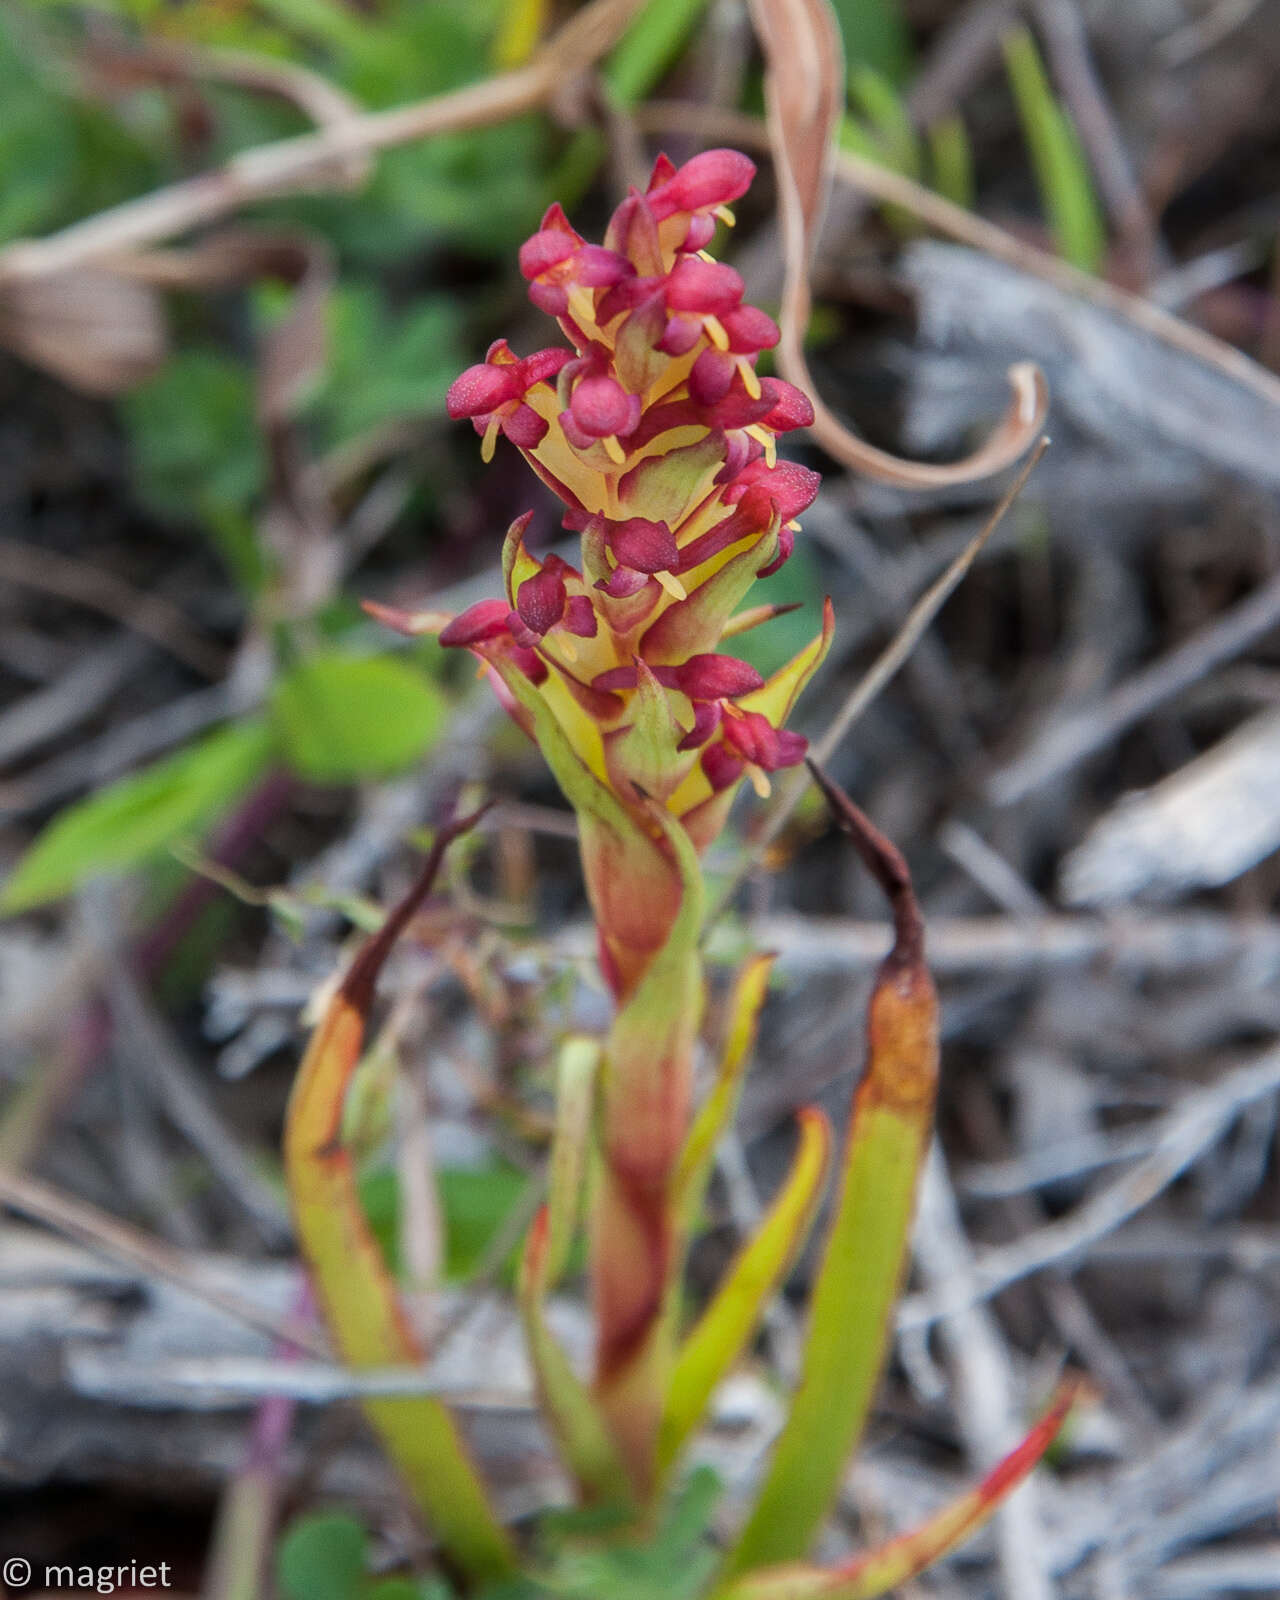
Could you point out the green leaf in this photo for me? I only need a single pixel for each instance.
(875, 32)
(951, 160)
(649, 47)
(866, 1248)
(476, 1202)
(322, 1557)
(722, 1332)
(1061, 170)
(345, 717)
(717, 1110)
(139, 816)
(196, 443)
(568, 1406)
(383, 368)
(886, 111)
(567, 1170)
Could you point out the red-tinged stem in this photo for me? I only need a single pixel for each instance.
(645, 1105)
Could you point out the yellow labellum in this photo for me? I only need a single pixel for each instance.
(716, 333)
(490, 441)
(750, 379)
(672, 585)
(615, 450)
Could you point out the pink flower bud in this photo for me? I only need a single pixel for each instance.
(646, 546)
(702, 229)
(755, 739)
(790, 487)
(749, 330)
(623, 582)
(594, 267)
(710, 377)
(721, 766)
(715, 677)
(545, 250)
(601, 406)
(789, 407)
(482, 389)
(680, 336)
(708, 287)
(714, 178)
(541, 600)
(580, 617)
(524, 427)
(485, 620)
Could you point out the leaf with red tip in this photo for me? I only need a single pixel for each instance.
(716, 677)
(899, 1560)
(412, 623)
(755, 616)
(722, 1332)
(352, 1280)
(865, 1254)
(713, 178)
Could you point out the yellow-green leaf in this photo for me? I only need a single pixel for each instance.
(139, 816)
(345, 717)
(866, 1247)
(725, 1327)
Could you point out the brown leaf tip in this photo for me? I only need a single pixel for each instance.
(884, 861)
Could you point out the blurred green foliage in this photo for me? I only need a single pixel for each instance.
(324, 1555)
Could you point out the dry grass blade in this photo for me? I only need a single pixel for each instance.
(85, 584)
(804, 97)
(954, 222)
(880, 673)
(117, 1241)
(165, 61)
(98, 332)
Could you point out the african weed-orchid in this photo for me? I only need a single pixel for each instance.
(655, 430)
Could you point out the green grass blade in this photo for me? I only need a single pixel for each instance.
(1060, 167)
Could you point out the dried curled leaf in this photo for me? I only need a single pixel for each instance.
(804, 96)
